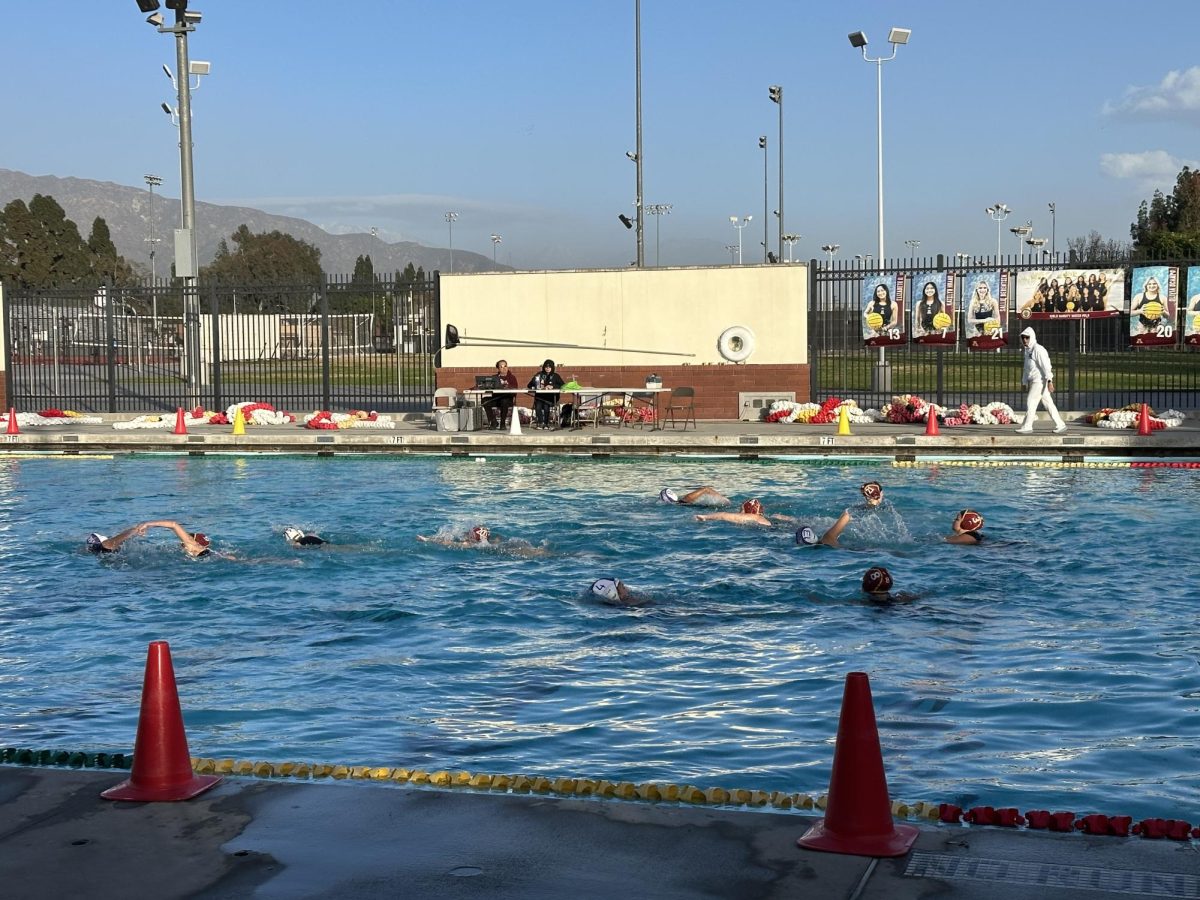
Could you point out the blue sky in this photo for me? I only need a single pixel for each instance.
(518, 116)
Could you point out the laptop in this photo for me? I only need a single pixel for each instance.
(487, 382)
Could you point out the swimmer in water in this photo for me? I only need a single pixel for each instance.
(481, 537)
(806, 535)
(195, 544)
(877, 585)
(298, 538)
(614, 592)
(701, 496)
(751, 514)
(872, 493)
(966, 528)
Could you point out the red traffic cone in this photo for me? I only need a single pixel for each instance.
(1143, 421)
(931, 425)
(13, 427)
(162, 766)
(180, 422)
(858, 816)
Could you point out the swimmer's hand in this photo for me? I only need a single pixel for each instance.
(780, 517)
(423, 539)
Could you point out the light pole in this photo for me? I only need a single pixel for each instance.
(641, 237)
(1022, 231)
(913, 244)
(997, 213)
(739, 226)
(733, 252)
(152, 239)
(496, 242)
(451, 218)
(831, 249)
(790, 240)
(863, 257)
(881, 377)
(896, 37)
(963, 258)
(185, 239)
(657, 210)
(1053, 223)
(776, 93)
(1036, 243)
(762, 145)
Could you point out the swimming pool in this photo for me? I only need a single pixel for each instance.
(1053, 667)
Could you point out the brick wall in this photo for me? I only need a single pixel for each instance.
(717, 386)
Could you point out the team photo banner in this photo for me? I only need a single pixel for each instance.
(933, 319)
(1155, 299)
(985, 308)
(1071, 294)
(883, 310)
(1191, 309)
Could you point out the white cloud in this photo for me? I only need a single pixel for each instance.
(1150, 168)
(1177, 96)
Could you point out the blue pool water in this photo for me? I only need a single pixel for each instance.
(1054, 666)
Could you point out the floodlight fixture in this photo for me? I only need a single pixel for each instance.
(156, 19)
(899, 35)
(147, 6)
(625, 220)
(858, 39)
(191, 17)
(166, 107)
(199, 67)
(633, 157)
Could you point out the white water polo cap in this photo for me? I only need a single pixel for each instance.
(606, 588)
(806, 535)
(292, 533)
(666, 495)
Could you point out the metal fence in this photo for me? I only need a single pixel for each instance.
(337, 344)
(1095, 366)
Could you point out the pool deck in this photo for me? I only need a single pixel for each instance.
(413, 434)
(263, 838)
(270, 839)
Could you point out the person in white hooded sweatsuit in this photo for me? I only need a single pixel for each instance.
(1038, 377)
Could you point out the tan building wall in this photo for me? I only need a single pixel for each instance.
(677, 315)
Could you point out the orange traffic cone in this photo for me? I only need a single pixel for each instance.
(13, 427)
(162, 766)
(931, 425)
(180, 424)
(858, 816)
(1143, 421)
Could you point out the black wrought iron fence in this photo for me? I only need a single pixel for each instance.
(1094, 363)
(337, 344)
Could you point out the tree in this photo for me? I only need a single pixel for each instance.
(106, 263)
(1096, 248)
(39, 246)
(271, 259)
(1169, 227)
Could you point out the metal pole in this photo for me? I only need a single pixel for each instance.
(641, 244)
(1053, 245)
(187, 182)
(879, 174)
(762, 142)
(780, 172)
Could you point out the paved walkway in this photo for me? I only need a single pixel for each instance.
(414, 434)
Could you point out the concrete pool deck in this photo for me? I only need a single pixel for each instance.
(270, 839)
(414, 434)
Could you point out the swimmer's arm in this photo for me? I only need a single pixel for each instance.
(736, 518)
(780, 517)
(118, 539)
(830, 537)
(700, 492)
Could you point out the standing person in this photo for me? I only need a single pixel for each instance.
(543, 382)
(1038, 376)
(499, 406)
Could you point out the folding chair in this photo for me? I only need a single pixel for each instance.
(636, 404)
(683, 400)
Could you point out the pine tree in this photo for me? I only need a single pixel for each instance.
(1169, 227)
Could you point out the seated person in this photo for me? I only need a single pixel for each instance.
(966, 528)
(806, 536)
(751, 514)
(499, 406)
(701, 496)
(298, 538)
(195, 544)
(614, 592)
(547, 383)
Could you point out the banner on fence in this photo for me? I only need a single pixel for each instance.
(1191, 308)
(933, 319)
(1071, 293)
(883, 310)
(985, 308)
(1155, 298)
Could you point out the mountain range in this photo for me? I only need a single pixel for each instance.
(127, 211)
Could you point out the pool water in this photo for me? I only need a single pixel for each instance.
(1055, 666)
